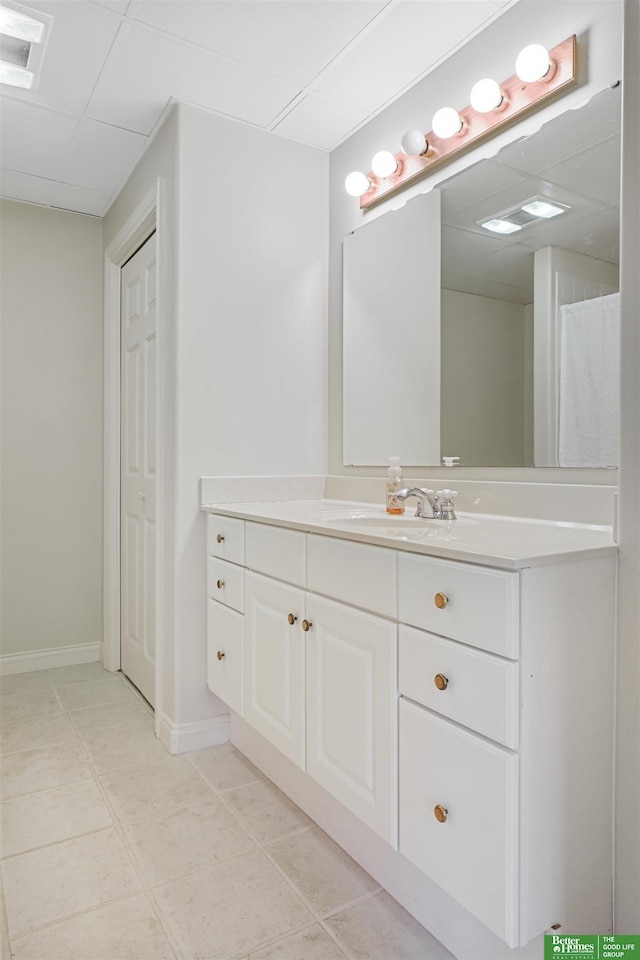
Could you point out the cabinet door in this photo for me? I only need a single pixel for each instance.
(459, 815)
(274, 700)
(352, 710)
(224, 654)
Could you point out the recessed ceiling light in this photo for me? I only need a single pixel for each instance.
(543, 208)
(500, 226)
(22, 44)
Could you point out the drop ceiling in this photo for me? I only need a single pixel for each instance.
(307, 70)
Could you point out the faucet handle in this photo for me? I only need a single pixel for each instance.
(447, 494)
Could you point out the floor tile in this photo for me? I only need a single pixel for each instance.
(121, 748)
(25, 682)
(41, 769)
(310, 944)
(266, 812)
(321, 870)
(379, 928)
(231, 908)
(225, 767)
(34, 734)
(61, 676)
(55, 882)
(126, 715)
(155, 788)
(182, 841)
(127, 930)
(93, 693)
(30, 705)
(50, 816)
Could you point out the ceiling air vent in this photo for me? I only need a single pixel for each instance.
(23, 37)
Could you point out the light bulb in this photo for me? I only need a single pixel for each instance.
(533, 63)
(486, 95)
(446, 122)
(356, 184)
(414, 143)
(384, 164)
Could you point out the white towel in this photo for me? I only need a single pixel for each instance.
(589, 419)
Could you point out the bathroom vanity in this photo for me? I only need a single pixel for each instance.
(449, 685)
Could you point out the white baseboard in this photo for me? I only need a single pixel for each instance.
(183, 737)
(49, 659)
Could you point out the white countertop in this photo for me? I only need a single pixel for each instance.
(506, 542)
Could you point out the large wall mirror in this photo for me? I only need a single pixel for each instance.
(496, 344)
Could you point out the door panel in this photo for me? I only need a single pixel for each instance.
(139, 376)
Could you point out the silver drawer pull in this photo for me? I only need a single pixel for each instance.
(219, 654)
(219, 538)
(219, 584)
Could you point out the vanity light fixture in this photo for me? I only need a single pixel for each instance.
(384, 163)
(446, 123)
(486, 95)
(22, 44)
(541, 75)
(356, 184)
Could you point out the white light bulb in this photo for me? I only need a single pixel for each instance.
(356, 184)
(414, 143)
(446, 122)
(533, 63)
(384, 164)
(486, 95)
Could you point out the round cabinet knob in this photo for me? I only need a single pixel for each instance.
(441, 600)
(440, 813)
(441, 681)
(219, 538)
(306, 626)
(219, 584)
(291, 619)
(219, 654)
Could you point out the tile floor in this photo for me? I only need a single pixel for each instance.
(113, 850)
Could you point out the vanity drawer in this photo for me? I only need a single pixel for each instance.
(225, 583)
(225, 538)
(473, 784)
(473, 688)
(476, 605)
(361, 575)
(225, 659)
(278, 552)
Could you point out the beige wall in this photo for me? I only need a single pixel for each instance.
(483, 380)
(51, 436)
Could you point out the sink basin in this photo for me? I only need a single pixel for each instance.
(397, 522)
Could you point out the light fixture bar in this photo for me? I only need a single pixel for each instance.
(520, 98)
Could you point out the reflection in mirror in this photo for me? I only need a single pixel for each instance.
(529, 319)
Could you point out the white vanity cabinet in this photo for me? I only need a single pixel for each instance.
(460, 710)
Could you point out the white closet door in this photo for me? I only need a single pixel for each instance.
(138, 421)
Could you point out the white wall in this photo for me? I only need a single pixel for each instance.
(51, 435)
(251, 340)
(243, 297)
(483, 380)
(598, 25)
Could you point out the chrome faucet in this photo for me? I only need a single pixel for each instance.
(438, 505)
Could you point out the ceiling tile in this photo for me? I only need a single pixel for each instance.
(402, 48)
(101, 156)
(68, 197)
(120, 6)
(294, 41)
(34, 140)
(81, 37)
(481, 180)
(320, 121)
(459, 246)
(594, 172)
(22, 186)
(513, 260)
(145, 69)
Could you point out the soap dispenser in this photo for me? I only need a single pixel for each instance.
(394, 483)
